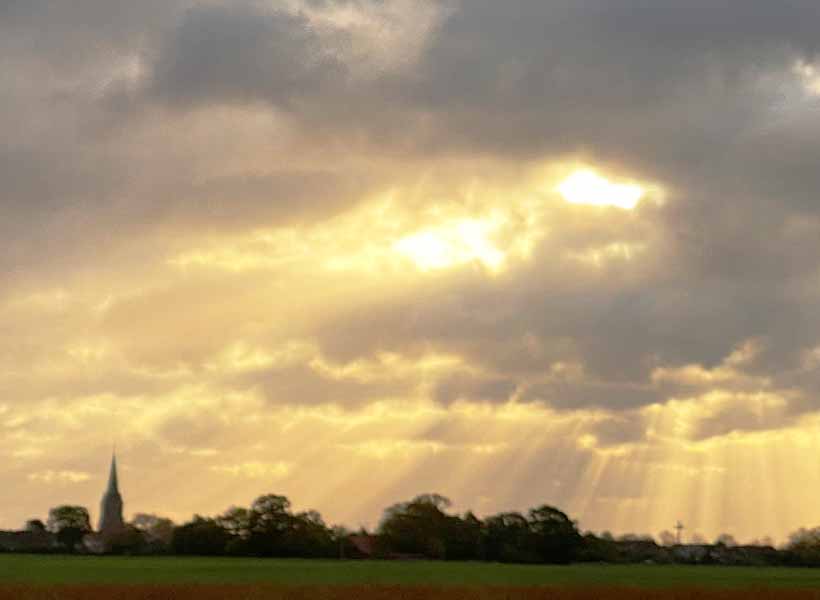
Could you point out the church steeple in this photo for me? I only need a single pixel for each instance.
(113, 487)
(111, 521)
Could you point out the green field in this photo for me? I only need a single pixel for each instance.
(17, 569)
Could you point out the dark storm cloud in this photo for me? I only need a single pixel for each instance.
(72, 33)
(573, 395)
(513, 68)
(78, 175)
(475, 389)
(242, 53)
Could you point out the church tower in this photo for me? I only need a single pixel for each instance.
(111, 521)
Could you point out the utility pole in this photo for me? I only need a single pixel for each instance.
(678, 528)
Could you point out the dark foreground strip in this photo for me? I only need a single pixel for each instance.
(236, 592)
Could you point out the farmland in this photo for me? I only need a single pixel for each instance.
(193, 592)
(16, 570)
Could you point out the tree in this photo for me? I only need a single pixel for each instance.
(158, 532)
(555, 536)
(508, 538)
(35, 526)
(308, 537)
(236, 521)
(70, 523)
(598, 549)
(268, 522)
(200, 537)
(128, 540)
(65, 516)
(465, 539)
(419, 527)
(804, 547)
(636, 537)
(342, 543)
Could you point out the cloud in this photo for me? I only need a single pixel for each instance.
(59, 477)
(255, 470)
(244, 53)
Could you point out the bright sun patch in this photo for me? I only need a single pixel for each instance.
(810, 76)
(587, 187)
(453, 244)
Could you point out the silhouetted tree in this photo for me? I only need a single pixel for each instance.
(344, 546)
(465, 538)
(418, 527)
(804, 547)
(157, 532)
(70, 523)
(636, 537)
(508, 538)
(268, 523)
(202, 537)
(308, 537)
(35, 526)
(598, 549)
(236, 521)
(555, 536)
(129, 540)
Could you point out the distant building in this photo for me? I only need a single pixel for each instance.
(111, 524)
(111, 521)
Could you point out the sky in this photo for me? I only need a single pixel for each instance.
(350, 251)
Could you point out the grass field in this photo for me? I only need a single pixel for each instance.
(386, 593)
(58, 570)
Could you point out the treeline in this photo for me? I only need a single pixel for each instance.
(420, 528)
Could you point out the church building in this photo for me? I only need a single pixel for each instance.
(111, 521)
(111, 524)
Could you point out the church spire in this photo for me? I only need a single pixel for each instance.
(113, 487)
(111, 521)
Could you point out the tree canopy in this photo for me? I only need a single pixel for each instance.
(70, 523)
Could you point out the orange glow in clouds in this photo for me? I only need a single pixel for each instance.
(457, 243)
(587, 187)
